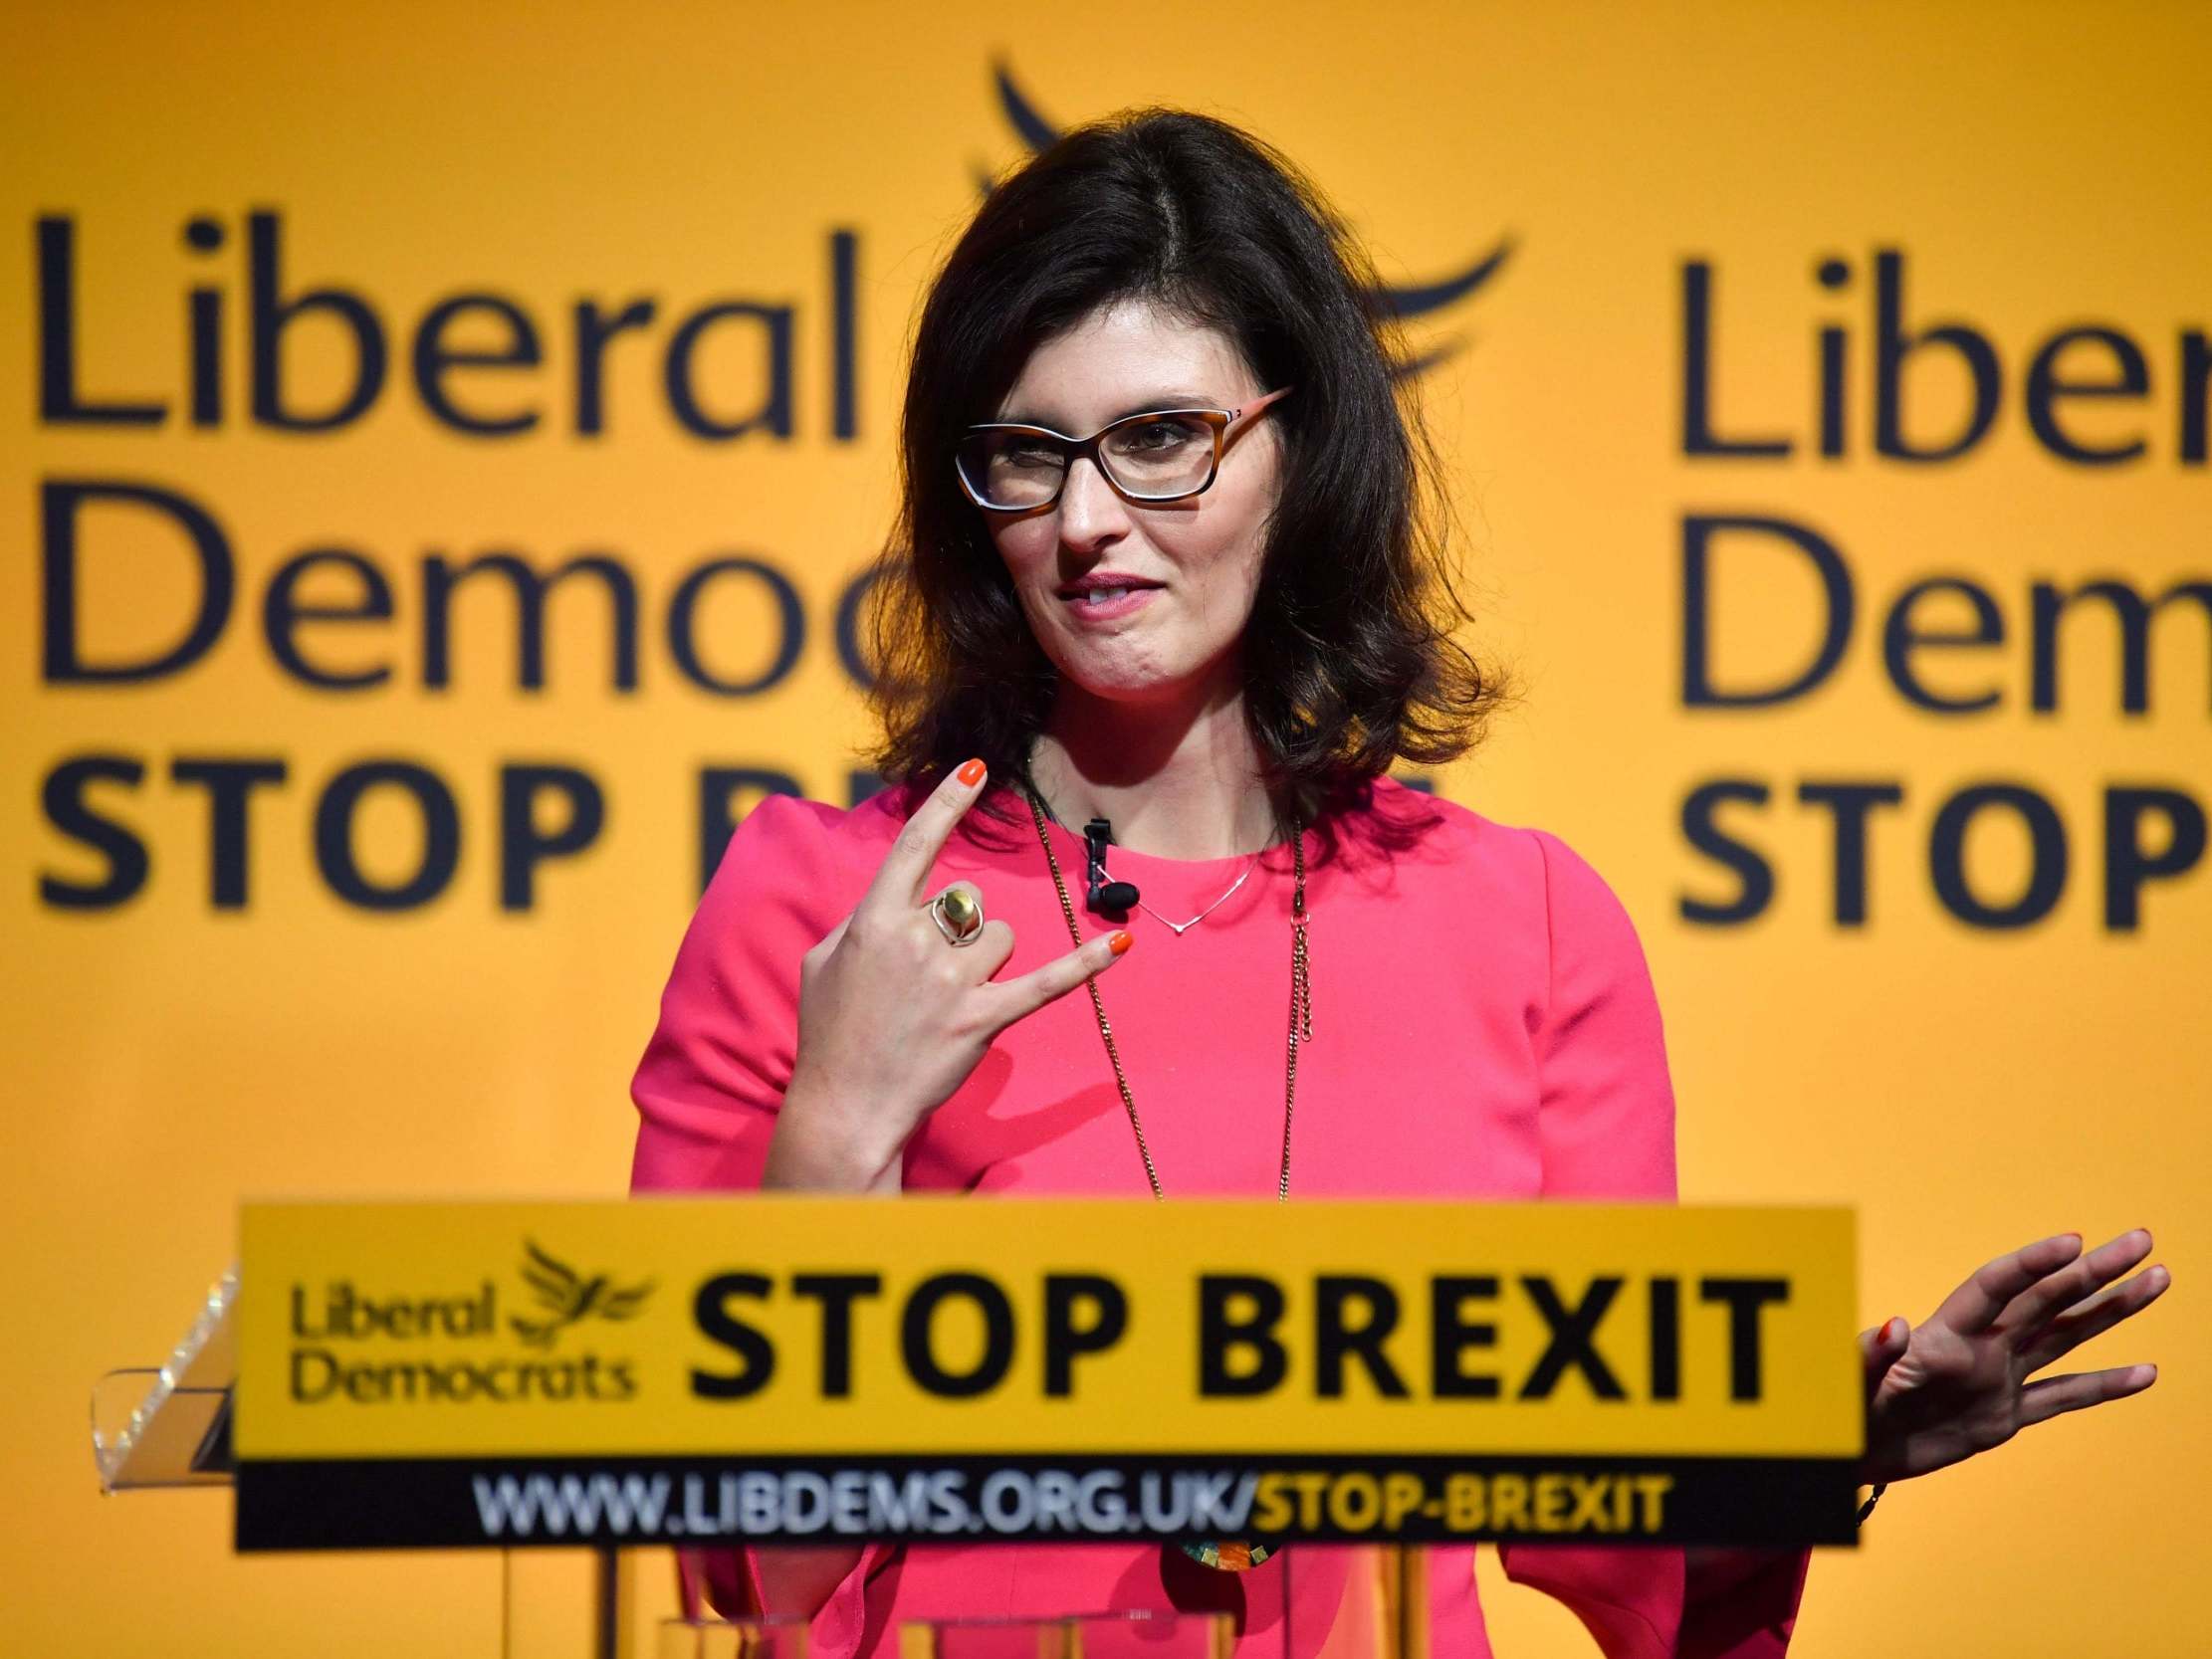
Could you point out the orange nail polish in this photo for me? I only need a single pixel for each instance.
(971, 772)
(1120, 942)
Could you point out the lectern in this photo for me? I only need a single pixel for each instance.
(1235, 1377)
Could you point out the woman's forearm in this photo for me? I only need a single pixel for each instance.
(823, 1145)
(816, 1149)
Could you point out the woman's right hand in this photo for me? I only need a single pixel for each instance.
(893, 1017)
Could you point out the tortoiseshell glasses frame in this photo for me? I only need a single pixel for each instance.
(974, 447)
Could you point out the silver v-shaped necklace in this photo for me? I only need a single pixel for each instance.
(1174, 927)
(1181, 928)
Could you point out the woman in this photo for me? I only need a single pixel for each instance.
(1169, 556)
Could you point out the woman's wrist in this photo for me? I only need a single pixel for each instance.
(820, 1147)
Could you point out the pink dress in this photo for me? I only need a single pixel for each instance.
(1484, 1026)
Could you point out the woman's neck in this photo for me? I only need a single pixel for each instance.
(1181, 785)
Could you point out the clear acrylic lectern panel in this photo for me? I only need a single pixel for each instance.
(169, 1426)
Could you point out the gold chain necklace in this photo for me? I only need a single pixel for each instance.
(1301, 998)
(1229, 1556)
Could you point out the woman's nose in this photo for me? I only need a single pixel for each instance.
(1089, 508)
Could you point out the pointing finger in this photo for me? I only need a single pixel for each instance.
(1025, 994)
(902, 878)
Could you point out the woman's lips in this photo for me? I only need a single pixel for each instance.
(1105, 610)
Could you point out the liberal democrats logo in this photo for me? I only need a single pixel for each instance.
(568, 1297)
(1418, 301)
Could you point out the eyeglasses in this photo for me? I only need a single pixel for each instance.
(1162, 455)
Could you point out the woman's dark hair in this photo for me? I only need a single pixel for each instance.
(1349, 656)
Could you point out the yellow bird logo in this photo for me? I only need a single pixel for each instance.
(567, 1297)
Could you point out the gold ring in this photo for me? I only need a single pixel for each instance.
(958, 915)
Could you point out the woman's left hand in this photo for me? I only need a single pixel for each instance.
(1958, 1384)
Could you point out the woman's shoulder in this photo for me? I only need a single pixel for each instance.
(1470, 853)
(811, 842)
(790, 856)
(798, 832)
(1406, 822)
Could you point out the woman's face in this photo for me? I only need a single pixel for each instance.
(1204, 552)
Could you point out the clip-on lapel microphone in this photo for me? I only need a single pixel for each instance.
(1105, 895)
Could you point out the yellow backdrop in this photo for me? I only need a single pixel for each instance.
(345, 904)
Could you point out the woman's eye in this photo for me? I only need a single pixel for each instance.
(1155, 436)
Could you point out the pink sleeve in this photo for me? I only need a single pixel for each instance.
(712, 1077)
(714, 1073)
(1607, 1126)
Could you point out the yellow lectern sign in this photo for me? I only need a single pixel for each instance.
(790, 1367)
